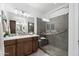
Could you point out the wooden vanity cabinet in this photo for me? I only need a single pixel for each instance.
(10, 47)
(21, 47)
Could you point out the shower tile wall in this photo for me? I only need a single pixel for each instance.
(60, 40)
(51, 39)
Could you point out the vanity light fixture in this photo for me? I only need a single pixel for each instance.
(22, 13)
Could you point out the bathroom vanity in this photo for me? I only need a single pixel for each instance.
(20, 45)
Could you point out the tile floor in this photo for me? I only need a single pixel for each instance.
(39, 53)
(54, 51)
(49, 50)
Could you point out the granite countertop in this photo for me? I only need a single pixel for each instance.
(20, 36)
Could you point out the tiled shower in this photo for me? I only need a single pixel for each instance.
(57, 43)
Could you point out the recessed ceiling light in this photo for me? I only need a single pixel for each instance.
(46, 20)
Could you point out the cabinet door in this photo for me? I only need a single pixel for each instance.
(10, 50)
(27, 46)
(35, 44)
(20, 49)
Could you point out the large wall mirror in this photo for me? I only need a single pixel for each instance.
(16, 24)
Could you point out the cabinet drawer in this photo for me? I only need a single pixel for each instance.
(23, 40)
(27, 39)
(19, 40)
(9, 42)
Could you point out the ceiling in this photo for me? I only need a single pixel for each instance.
(35, 9)
(45, 7)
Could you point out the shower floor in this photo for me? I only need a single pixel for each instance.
(54, 51)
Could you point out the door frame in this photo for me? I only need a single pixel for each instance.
(73, 29)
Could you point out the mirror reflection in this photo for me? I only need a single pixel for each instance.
(17, 25)
(30, 28)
